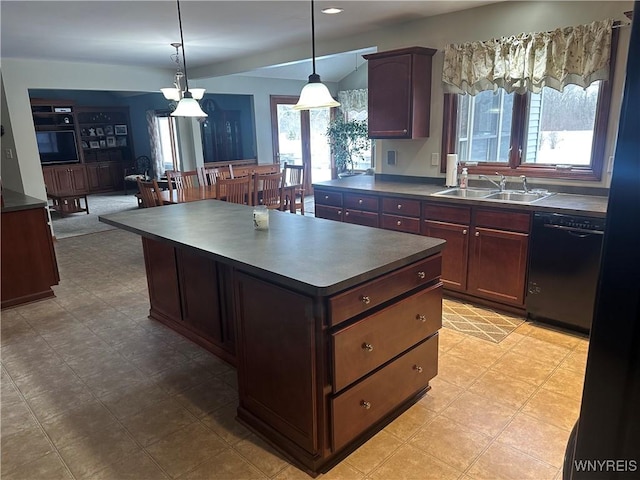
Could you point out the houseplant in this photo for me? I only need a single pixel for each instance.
(348, 140)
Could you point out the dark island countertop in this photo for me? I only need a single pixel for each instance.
(571, 204)
(311, 255)
(13, 201)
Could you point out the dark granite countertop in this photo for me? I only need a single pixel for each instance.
(15, 201)
(311, 255)
(571, 204)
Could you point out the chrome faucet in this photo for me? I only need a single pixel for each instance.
(503, 181)
(524, 184)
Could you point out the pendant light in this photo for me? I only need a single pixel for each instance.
(187, 106)
(314, 94)
(176, 92)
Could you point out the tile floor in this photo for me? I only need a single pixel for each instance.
(92, 389)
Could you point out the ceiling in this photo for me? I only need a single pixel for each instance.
(139, 33)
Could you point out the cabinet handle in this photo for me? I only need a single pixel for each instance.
(346, 213)
(365, 299)
(464, 232)
(399, 222)
(360, 202)
(364, 404)
(405, 130)
(399, 206)
(421, 317)
(339, 212)
(477, 234)
(421, 275)
(326, 197)
(417, 368)
(367, 347)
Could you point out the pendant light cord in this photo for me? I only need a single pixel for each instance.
(184, 57)
(313, 40)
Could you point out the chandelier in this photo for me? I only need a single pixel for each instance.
(187, 98)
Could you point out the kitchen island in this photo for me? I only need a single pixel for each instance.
(333, 327)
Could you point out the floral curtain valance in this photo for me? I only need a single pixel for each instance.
(529, 61)
(353, 103)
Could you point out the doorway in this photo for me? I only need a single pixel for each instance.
(299, 138)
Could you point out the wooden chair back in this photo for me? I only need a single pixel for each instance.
(181, 180)
(268, 190)
(294, 175)
(234, 190)
(150, 193)
(210, 175)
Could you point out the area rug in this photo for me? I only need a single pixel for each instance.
(75, 224)
(479, 322)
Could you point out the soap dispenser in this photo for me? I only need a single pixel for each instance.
(464, 177)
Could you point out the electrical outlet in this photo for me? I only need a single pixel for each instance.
(435, 159)
(8, 153)
(392, 157)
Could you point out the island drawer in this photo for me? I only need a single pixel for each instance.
(446, 213)
(514, 221)
(400, 223)
(401, 206)
(365, 345)
(330, 213)
(375, 292)
(368, 219)
(323, 197)
(367, 402)
(361, 202)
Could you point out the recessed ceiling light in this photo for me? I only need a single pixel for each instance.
(332, 10)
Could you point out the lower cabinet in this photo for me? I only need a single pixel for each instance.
(68, 179)
(104, 176)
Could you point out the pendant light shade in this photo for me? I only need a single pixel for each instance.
(315, 94)
(186, 98)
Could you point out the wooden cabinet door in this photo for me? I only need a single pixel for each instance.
(50, 181)
(78, 175)
(497, 265)
(162, 279)
(455, 254)
(116, 174)
(93, 176)
(64, 180)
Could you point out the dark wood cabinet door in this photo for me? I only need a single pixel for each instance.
(497, 265)
(64, 180)
(93, 177)
(455, 253)
(50, 181)
(162, 278)
(78, 176)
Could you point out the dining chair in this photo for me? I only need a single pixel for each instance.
(181, 180)
(210, 175)
(234, 190)
(150, 193)
(141, 169)
(267, 190)
(294, 177)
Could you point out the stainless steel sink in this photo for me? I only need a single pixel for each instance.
(517, 196)
(467, 192)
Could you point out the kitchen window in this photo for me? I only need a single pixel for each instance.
(549, 133)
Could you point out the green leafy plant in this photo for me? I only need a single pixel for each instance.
(348, 140)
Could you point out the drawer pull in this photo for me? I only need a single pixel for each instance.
(360, 202)
(399, 206)
(417, 368)
(477, 234)
(364, 404)
(421, 317)
(421, 275)
(365, 299)
(326, 197)
(399, 222)
(346, 213)
(367, 347)
(339, 212)
(464, 232)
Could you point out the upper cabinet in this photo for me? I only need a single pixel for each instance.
(400, 92)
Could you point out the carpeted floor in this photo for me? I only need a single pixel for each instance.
(479, 322)
(99, 204)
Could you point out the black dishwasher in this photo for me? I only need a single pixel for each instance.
(564, 264)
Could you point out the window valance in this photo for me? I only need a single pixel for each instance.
(353, 103)
(529, 61)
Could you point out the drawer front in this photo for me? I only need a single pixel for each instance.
(323, 197)
(504, 220)
(368, 219)
(363, 297)
(330, 213)
(447, 213)
(401, 206)
(369, 343)
(361, 202)
(401, 224)
(367, 402)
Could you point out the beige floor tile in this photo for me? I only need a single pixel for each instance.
(109, 381)
(49, 467)
(343, 471)
(55, 402)
(410, 463)
(223, 422)
(494, 385)
(15, 416)
(262, 456)
(48, 377)
(374, 452)
(184, 450)
(566, 382)
(541, 350)
(410, 421)
(182, 377)
(536, 438)
(523, 368)
(458, 371)
(480, 413)
(208, 397)
(576, 361)
(228, 465)
(441, 395)
(501, 462)
(23, 447)
(124, 403)
(134, 467)
(158, 421)
(553, 408)
(83, 421)
(556, 336)
(480, 352)
(451, 442)
(511, 341)
(448, 338)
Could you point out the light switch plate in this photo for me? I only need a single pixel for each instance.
(435, 159)
(392, 157)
